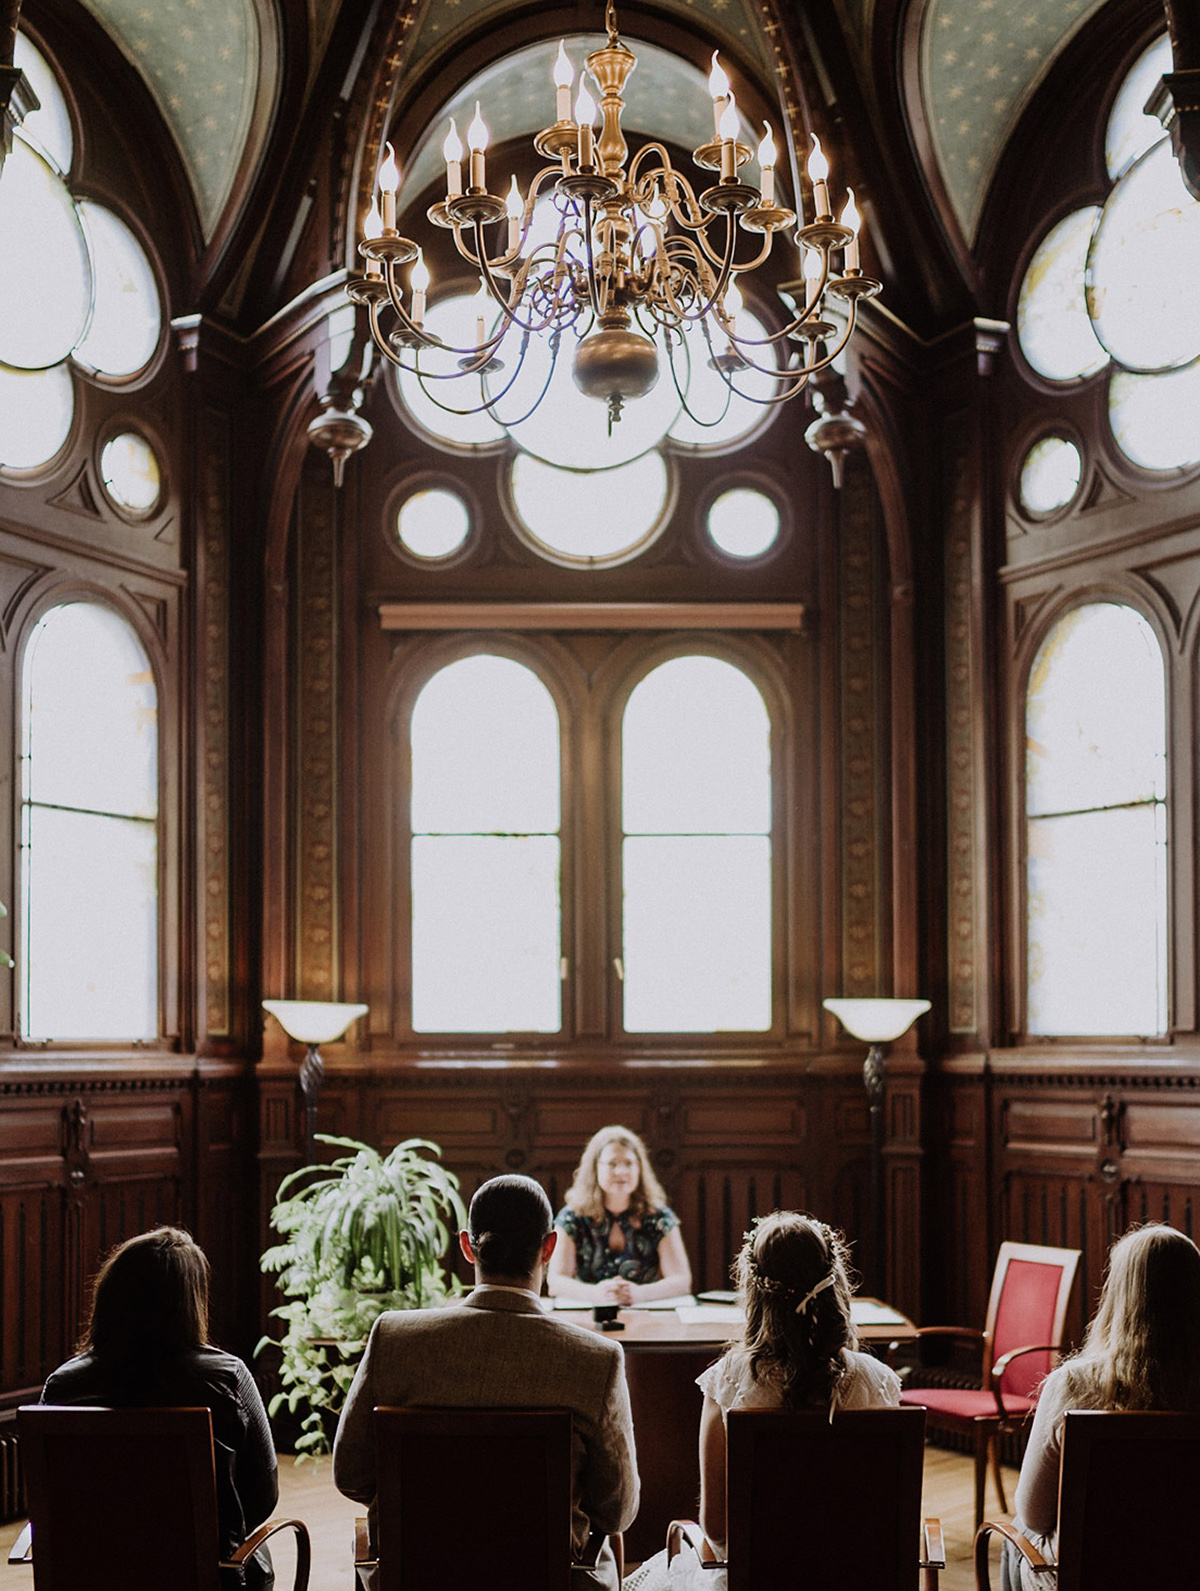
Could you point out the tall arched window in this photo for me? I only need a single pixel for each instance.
(486, 912)
(1096, 827)
(89, 829)
(696, 862)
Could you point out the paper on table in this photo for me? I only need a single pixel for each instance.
(654, 1303)
(710, 1315)
(870, 1312)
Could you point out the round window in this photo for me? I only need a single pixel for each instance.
(433, 523)
(1050, 475)
(130, 472)
(743, 523)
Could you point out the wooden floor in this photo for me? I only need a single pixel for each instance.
(308, 1493)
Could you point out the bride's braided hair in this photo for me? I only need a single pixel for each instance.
(794, 1278)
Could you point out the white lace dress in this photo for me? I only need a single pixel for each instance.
(868, 1384)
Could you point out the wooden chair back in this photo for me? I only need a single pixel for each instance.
(1031, 1288)
(815, 1503)
(473, 1497)
(1125, 1503)
(121, 1499)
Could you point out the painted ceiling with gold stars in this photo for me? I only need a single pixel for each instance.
(203, 62)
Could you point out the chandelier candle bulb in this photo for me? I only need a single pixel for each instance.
(818, 174)
(477, 142)
(767, 156)
(452, 153)
(564, 76)
(812, 276)
(419, 283)
(851, 219)
(729, 132)
(585, 115)
(718, 87)
(372, 229)
(515, 206)
(481, 308)
(389, 181)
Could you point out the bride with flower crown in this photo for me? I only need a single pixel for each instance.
(797, 1352)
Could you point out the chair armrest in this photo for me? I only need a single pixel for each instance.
(21, 1550)
(362, 1545)
(1002, 1364)
(967, 1333)
(681, 1530)
(272, 1527)
(1026, 1548)
(590, 1555)
(935, 1545)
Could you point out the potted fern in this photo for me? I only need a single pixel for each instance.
(367, 1233)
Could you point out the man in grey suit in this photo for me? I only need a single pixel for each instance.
(496, 1348)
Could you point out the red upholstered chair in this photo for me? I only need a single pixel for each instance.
(1031, 1287)
(1125, 1505)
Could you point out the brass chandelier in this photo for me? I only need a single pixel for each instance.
(639, 261)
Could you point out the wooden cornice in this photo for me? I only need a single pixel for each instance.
(591, 616)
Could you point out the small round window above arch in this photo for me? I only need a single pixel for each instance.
(743, 522)
(433, 523)
(1051, 472)
(131, 473)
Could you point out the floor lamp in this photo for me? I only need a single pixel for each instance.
(312, 1022)
(877, 1023)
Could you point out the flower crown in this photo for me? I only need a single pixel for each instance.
(772, 1285)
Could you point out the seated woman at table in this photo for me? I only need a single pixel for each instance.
(146, 1346)
(618, 1239)
(1141, 1351)
(797, 1352)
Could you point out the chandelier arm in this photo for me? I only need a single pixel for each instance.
(761, 258)
(417, 333)
(507, 424)
(804, 372)
(593, 284)
(682, 395)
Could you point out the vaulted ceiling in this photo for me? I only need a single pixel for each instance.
(210, 64)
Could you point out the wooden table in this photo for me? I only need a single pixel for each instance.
(663, 1357)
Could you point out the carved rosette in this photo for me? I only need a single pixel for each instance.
(961, 693)
(214, 749)
(863, 631)
(316, 727)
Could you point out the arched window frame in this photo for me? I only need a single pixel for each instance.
(63, 595)
(1031, 644)
(590, 725)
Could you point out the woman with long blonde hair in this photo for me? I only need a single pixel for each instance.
(798, 1350)
(618, 1238)
(1141, 1351)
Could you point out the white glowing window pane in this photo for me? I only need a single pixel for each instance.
(567, 427)
(50, 125)
(696, 752)
(36, 411)
(485, 757)
(1097, 923)
(1143, 265)
(90, 887)
(1095, 715)
(1156, 419)
(130, 472)
(428, 401)
(1050, 475)
(91, 724)
(743, 523)
(1053, 328)
(486, 937)
(127, 318)
(718, 417)
(45, 267)
(588, 517)
(697, 934)
(1130, 131)
(433, 524)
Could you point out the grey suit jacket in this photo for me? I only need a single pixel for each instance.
(497, 1349)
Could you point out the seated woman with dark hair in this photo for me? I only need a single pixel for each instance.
(1141, 1351)
(619, 1240)
(145, 1347)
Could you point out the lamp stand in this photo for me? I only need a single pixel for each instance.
(312, 1075)
(874, 1072)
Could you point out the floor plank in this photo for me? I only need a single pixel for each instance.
(306, 1491)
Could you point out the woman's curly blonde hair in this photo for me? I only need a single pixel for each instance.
(584, 1195)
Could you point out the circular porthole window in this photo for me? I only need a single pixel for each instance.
(743, 523)
(1050, 475)
(130, 471)
(433, 523)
